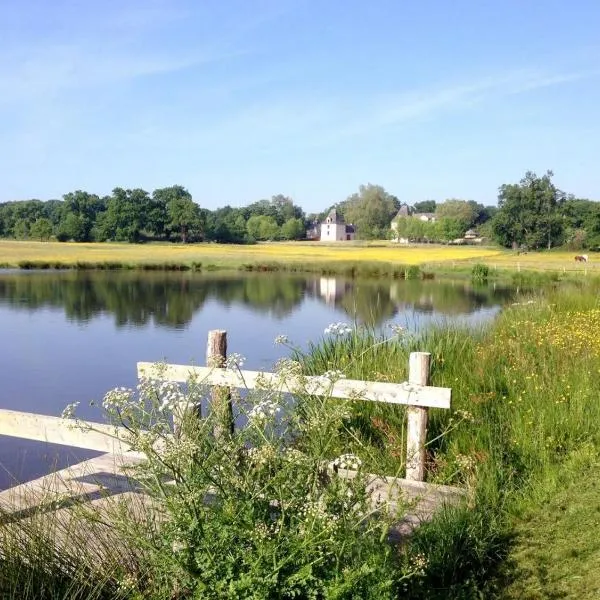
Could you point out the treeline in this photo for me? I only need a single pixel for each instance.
(533, 213)
(168, 214)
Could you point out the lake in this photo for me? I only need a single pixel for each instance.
(72, 335)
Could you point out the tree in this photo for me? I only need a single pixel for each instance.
(269, 230)
(72, 227)
(182, 213)
(126, 215)
(370, 211)
(425, 206)
(293, 229)
(41, 229)
(529, 213)
(21, 229)
(460, 211)
(78, 215)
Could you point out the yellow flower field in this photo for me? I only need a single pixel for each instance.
(223, 255)
(13, 252)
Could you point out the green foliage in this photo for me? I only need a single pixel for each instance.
(524, 405)
(41, 229)
(257, 513)
(371, 211)
(260, 227)
(425, 206)
(293, 229)
(529, 213)
(462, 212)
(480, 272)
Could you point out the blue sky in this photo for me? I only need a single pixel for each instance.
(240, 99)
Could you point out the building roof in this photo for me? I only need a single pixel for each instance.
(334, 217)
(350, 229)
(404, 211)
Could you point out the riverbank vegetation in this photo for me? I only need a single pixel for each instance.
(521, 438)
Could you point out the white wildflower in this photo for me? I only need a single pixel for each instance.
(347, 462)
(235, 361)
(178, 546)
(338, 329)
(266, 409)
(118, 399)
(467, 463)
(334, 375)
(397, 329)
(464, 415)
(169, 395)
(69, 410)
(286, 367)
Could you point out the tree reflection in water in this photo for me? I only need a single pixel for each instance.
(171, 299)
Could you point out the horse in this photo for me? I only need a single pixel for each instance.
(581, 258)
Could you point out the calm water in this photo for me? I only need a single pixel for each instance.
(71, 336)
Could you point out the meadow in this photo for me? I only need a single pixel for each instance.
(296, 256)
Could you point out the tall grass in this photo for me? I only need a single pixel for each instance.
(524, 407)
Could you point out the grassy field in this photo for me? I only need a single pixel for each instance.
(285, 255)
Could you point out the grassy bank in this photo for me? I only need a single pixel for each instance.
(525, 416)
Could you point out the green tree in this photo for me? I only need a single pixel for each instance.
(21, 229)
(78, 215)
(41, 229)
(269, 230)
(126, 215)
(371, 211)
(182, 213)
(293, 229)
(425, 206)
(72, 227)
(448, 229)
(529, 213)
(460, 211)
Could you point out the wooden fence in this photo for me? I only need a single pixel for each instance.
(416, 394)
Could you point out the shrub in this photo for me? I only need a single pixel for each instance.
(480, 272)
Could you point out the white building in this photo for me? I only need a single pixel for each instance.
(334, 228)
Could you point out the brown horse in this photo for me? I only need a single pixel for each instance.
(581, 258)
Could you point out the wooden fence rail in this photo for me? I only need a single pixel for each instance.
(416, 394)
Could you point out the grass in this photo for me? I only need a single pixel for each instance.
(556, 549)
(525, 414)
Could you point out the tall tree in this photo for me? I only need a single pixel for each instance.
(463, 212)
(371, 211)
(41, 229)
(529, 213)
(126, 215)
(183, 215)
(425, 206)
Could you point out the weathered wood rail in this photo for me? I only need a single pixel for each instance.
(415, 394)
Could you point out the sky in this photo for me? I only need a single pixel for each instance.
(239, 100)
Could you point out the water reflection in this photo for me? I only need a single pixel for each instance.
(172, 299)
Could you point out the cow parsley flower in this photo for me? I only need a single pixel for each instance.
(338, 329)
(235, 361)
(69, 410)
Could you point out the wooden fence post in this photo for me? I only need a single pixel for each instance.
(216, 356)
(416, 427)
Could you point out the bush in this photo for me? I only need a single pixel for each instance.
(480, 272)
